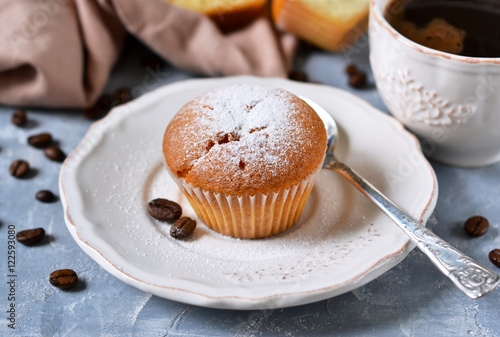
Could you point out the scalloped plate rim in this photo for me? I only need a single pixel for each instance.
(235, 302)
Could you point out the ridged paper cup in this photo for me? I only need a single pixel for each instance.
(249, 217)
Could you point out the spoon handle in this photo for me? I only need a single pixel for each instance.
(468, 275)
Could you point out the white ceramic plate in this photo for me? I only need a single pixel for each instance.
(341, 242)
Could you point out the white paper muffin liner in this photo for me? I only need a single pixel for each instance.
(249, 217)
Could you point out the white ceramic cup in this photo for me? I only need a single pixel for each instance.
(451, 102)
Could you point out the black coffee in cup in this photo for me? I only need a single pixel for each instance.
(462, 27)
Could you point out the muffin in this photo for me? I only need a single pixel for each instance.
(246, 157)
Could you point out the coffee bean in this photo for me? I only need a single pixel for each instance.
(54, 153)
(41, 140)
(495, 257)
(358, 80)
(19, 168)
(94, 112)
(100, 108)
(476, 226)
(29, 237)
(298, 76)
(123, 95)
(19, 118)
(164, 210)
(182, 228)
(63, 278)
(104, 102)
(351, 69)
(45, 196)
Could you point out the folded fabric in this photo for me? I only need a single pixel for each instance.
(59, 53)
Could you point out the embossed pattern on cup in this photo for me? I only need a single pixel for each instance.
(451, 102)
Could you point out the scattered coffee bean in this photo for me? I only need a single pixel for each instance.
(94, 112)
(41, 140)
(100, 108)
(104, 102)
(45, 196)
(123, 95)
(19, 168)
(358, 80)
(29, 237)
(298, 76)
(351, 69)
(476, 226)
(164, 210)
(63, 278)
(19, 118)
(495, 257)
(54, 153)
(182, 228)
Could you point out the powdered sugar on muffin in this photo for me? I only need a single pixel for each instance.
(245, 139)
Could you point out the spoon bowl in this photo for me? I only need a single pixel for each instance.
(468, 275)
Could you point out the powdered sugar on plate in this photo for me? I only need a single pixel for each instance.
(341, 242)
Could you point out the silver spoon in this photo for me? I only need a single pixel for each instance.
(468, 275)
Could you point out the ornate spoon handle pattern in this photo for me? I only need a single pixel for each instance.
(468, 275)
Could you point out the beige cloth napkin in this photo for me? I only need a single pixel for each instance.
(59, 53)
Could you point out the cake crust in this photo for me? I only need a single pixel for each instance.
(228, 15)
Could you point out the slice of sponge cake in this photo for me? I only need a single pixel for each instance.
(328, 24)
(228, 14)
